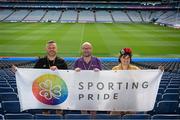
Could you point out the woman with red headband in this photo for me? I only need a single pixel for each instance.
(125, 59)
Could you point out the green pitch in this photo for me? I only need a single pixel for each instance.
(146, 40)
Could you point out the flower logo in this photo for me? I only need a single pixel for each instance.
(50, 89)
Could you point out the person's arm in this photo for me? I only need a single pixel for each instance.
(99, 64)
(99, 67)
(62, 65)
(38, 64)
(14, 68)
(161, 68)
(76, 67)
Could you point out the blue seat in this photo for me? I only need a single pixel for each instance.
(9, 96)
(170, 96)
(172, 90)
(77, 116)
(14, 86)
(23, 116)
(50, 116)
(72, 112)
(167, 107)
(175, 81)
(159, 97)
(35, 111)
(136, 116)
(174, 86)
(162, 86)
(6, 89)
(107, 116)
(11, 106)
(166, 116)
(161, 90)
(4, 85)
(1, 117)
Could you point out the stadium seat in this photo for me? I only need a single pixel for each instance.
(9, 96)
(1, 117)
(166, 116)
(159, 97)
(23, 116)
(6, 89)
(167, 107)
(35, 111)
(161, 90)
(50, 116)
(175, 82)
(107, 116)
(172, 90)
(11, 106)
(72, 112)
(4, 85)
(174, 86)
(77, 116)
(136, 116)
(170, 96)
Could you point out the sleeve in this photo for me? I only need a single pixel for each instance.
(63, 65)
(38, 64)
(76, 64)
(115, 68)
(99, 64)
(137, 68)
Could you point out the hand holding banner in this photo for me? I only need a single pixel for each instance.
(127, 90)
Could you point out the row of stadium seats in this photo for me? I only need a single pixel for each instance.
(167, 101)
(161, 107)
(87, 116)
(168, 17)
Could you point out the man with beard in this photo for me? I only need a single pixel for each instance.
(87, 62)
(53, 62)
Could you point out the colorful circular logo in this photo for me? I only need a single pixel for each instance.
(50, 89)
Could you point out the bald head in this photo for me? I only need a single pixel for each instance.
(85, 44)
(86, 49)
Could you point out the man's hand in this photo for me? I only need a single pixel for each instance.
(161, 68)
(53, 68)
(96, 70)
(78, 69)
(14, 68)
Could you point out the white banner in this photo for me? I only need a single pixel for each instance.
(127, 90)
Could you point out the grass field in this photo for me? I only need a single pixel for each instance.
(146, 40)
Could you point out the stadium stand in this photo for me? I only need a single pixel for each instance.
(134, 16)
(120, 16)
(103, 16)
(5, 14)
(17, 15)
(167, 103)
(86, 16)
(160, 13)
(51, 15)
(35, 16)
(69, 16)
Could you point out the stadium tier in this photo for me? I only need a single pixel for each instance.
(109, 25)
(84, 16)
(78, 11)
(166, 105)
